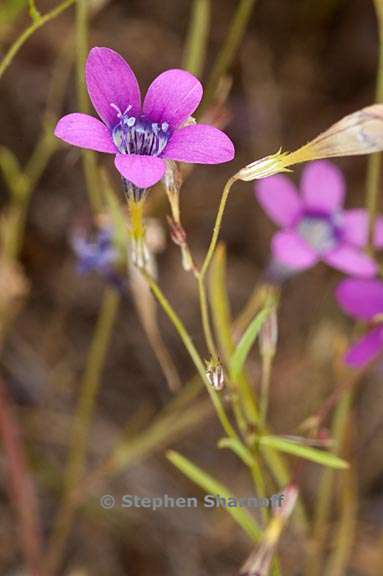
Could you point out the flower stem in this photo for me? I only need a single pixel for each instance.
(198, 36)
(82, 419)
(20, 485)
(206, 319)
(33, 11)
(375, 160)
(188, 343)
(20, 41)
(325, 492)
(267, 362)
(217, 226)
(227, 54)
(200, 275)
(88, 157)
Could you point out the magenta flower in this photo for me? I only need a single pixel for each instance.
(142, 137)
(363, 299)
(315, 227)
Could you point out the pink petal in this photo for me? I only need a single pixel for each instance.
(110, 80)
(143, 171)
(290, 249)
(172, 97)
(199, 144)
(278, 197)
(355, 227)
(366, 349)
(86, 132)
(323, 186)
(351, 260)
(360, 298)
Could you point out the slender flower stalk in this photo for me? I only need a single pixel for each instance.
(38, 23)
(206, 319)
(184, 335)
(229, 50)
(82, 420)
(375, 160)
(217, 226)
(33, 11)
(198, 35)
(88, 157)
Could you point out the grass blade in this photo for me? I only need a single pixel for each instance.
(306, 452)
(212, 486)
(243, 348)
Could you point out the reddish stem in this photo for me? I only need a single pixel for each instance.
(20, 485)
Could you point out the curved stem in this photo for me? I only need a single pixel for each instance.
(187, 341)
(217, 226)
(20, 41)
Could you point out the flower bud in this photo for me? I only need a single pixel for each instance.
(215, 374)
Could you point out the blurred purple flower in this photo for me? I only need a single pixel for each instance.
(314, 225)
(363, 299)
(143, 137)
(98, 254)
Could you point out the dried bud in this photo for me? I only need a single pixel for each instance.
(177, 233)
(269, 334)
(264, 167)
(358, 133)
(259, 562)
(214, 373)
(172, 178)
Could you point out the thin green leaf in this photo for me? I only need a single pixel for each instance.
(239, 449)
(306, 452)
(212, 486)
(243, 348)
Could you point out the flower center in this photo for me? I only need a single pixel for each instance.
(137, 135)
(319, 232)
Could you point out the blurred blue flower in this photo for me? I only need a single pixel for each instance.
(98, 254)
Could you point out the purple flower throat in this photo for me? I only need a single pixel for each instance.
(319, 230)
(134, 135)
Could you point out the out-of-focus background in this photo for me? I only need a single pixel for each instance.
(301, 66)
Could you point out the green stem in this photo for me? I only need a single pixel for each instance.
(200, 275)
(82, 419)
(325, 493)
(187, 341)
(198, 36)
(227, 54)
(217, 226)
(33, 11)
(20, 41)
(205, 319)
(267, 361)
(88, 157)
(374, 163)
